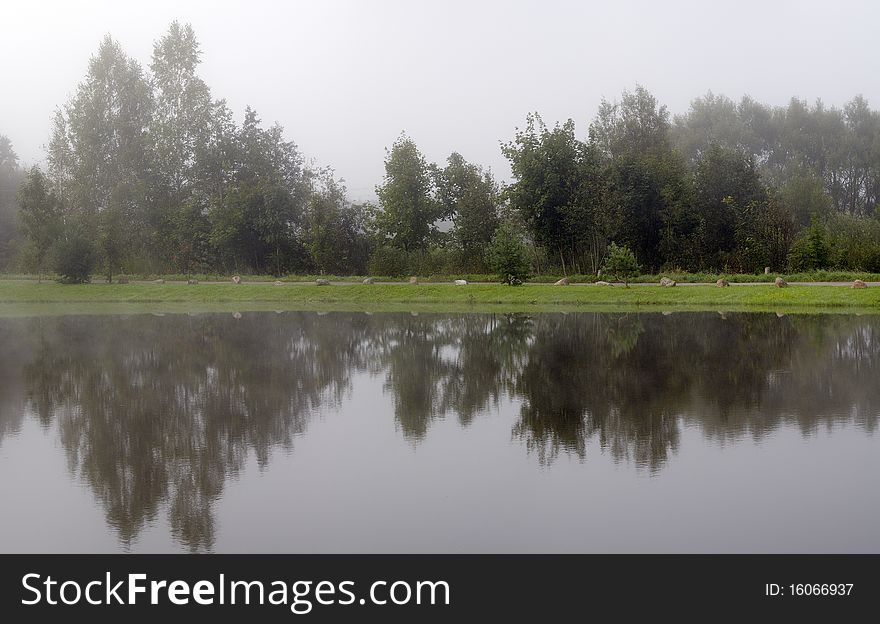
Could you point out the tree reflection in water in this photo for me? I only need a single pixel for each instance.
(158, 412)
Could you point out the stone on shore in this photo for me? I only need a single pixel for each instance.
(563, 282)
(780, 283)
(322, 282)
(666, 282)
(722, 283)
(859, 284)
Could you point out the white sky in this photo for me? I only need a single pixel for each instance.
(345, 77)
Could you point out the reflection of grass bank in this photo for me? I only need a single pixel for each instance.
(446, 297)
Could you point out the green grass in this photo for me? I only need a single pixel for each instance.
(438, 296)
(691, 278)
(735, 278)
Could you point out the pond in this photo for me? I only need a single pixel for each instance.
(415, 432)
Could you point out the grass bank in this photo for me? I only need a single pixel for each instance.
(684, 278)
(305, 295)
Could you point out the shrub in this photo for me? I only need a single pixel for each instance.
(620, 263)
(508, 256)
(436, 260)
(810, 250)
(75, 258)
(389, 261)
(854, 243)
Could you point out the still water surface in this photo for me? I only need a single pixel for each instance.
(351, 432)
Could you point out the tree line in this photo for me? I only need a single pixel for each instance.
(148, 173)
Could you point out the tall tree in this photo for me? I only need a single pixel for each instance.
(100, 151)
(409, 210)
(108, 121)
(10, 178)
(556, 184)
(181, 117)
(646, 176)
(218, 160)
(470, 197)
(40, 217)
(62, 165)
(804, 197)
(189, 237)
(180, 129)
(258, 219)
(637, 125)
(728, 195)
(335, 228)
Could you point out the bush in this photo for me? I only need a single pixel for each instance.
(508, 256)
(810, 250)
(434, 261)
(620, 263)
(389, 261)
(854, 243)
(75, 258)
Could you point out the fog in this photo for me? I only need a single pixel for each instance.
(345, 77)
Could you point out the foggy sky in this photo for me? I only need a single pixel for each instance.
(345, 77)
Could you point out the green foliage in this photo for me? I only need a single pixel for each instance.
(556, 190)
(730, 201)
(810, 251)
(40, 215)
(620, 263)
(180, 121)
(388, 260)
(647, 199)
(409, 210)
(162, 178)
(111, 244)
(798, 146)
(635, 127)
(154, 152)
(11, 177)
(335, 229)
(436, 260)
(636, 205)
(189, 237)
(508, 256)
(104, 137)
(75, 257)
(804, 198)
(470, 197)
(853, 242)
